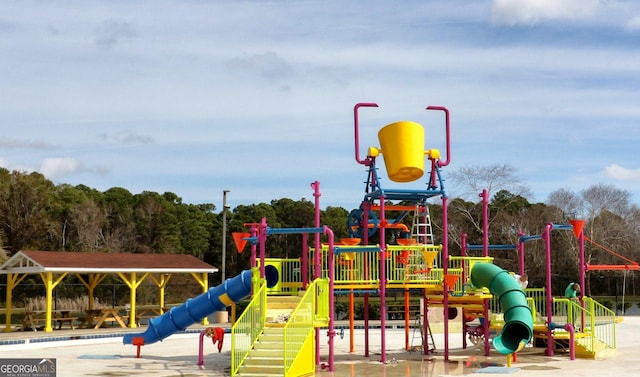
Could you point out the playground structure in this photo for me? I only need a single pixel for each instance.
(292, 300)
(355, 266)
(586, 328)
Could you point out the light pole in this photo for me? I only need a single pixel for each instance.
(224, 232)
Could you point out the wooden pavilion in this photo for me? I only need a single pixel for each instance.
(91, 268)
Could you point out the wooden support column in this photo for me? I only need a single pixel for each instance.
(12, 281)
(49, 285)
(91, 284)
(133, 283)
(203, 280)
(161, 281)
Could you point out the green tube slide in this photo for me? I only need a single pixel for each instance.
(518, 320)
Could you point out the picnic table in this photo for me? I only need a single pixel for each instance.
(149, 313)
(100, 316)
(33, 318)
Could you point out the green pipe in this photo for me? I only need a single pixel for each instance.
(518, 320)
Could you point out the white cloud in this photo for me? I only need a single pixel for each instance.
(195, 97)
(531, 11)
(11, 143)
(618, 172)
(634, 24)
(112, 32)
(57, 167)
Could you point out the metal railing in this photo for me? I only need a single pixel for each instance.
(536, 299)
(289, 280)
(299, 330)
(603, 322)
(462, 266)
(595, 322)
(412, 266)
(248, 328)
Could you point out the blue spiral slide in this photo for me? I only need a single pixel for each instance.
(195, 309)
(518, 321)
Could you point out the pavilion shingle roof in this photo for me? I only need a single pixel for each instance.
(94, 261)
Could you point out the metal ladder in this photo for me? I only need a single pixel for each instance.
(421, 229)
(431, 344)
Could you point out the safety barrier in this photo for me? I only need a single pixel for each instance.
(594, 321)
(248, 328)
(299, 344)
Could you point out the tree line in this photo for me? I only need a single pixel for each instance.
(36, 214)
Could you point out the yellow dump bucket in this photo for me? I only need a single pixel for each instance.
(402, 145)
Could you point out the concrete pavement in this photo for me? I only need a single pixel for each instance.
(101, 353)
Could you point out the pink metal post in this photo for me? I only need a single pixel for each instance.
(572, 343)
(201, 348)
(520, 248)
(262, 237)
(485, 252)
(546, 236)
(445, 267)
(364, 225)
(485, 222)
(304, 261)
(383, 282)
(448, 134)
(330, 266)
(317, 256)
(356, 132)
(583, 264)
(254, 233)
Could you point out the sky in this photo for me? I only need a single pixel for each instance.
(257, 97)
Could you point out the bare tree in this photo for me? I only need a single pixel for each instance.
(567, 201)
(611, 224)
(470, 180)
(601, 197)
